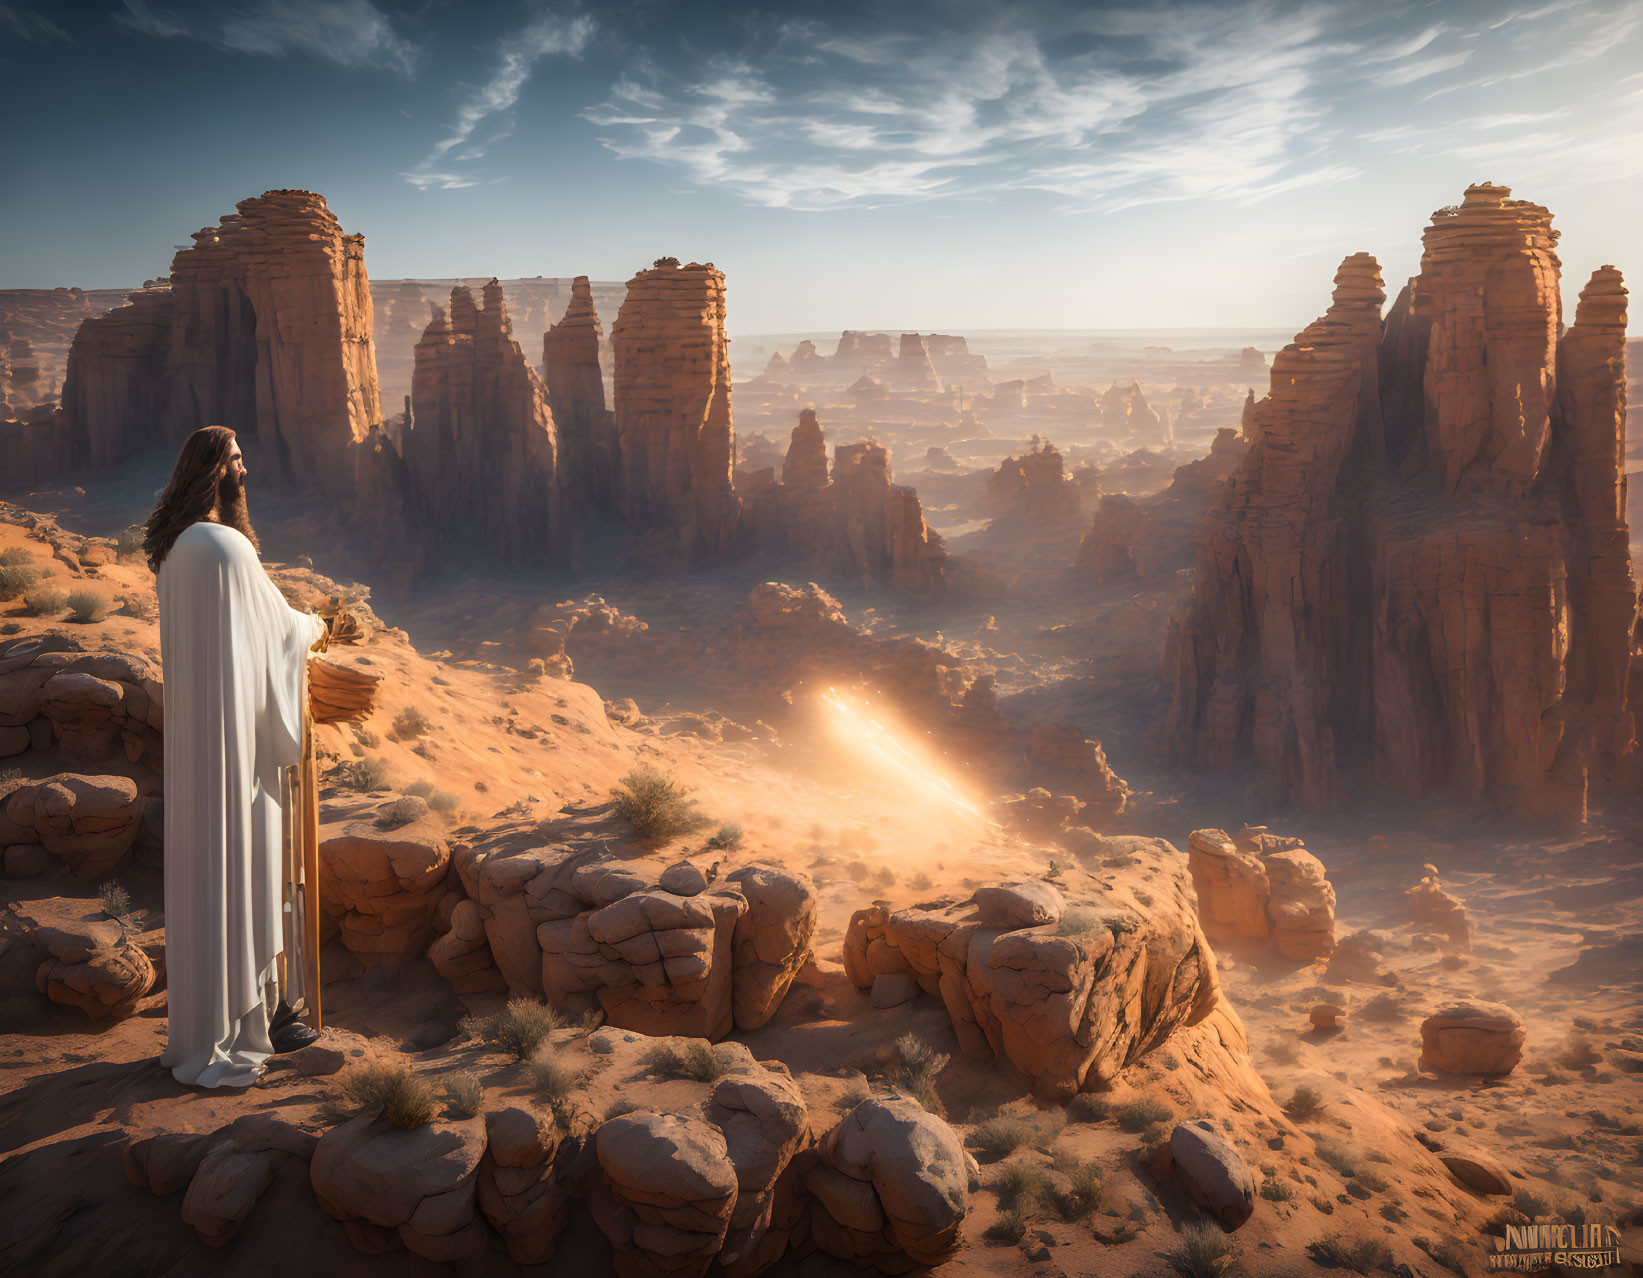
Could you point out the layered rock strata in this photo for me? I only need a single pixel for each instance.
(674, 434)
(1425, 550)
(1068, 981)
(481, 455)
(1261, 887)
(576, 394)
(265, 326)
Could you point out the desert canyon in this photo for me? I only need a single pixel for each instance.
(979, 803)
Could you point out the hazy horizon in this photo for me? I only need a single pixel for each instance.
(1046, 165)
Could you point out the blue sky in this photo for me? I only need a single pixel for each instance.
(961, 165)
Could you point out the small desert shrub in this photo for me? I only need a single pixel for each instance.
(920, 882)
(1137, 1115)
(619, 1107)
(728, 839)
(411, 722)
(10, 779)
(855, 1090)
(1204, 1252)
(523, 1026)
(13, 556)
(1532, 1204)
(696, 1060)
(45, 603)
(1304, 1104)
(552, 1080)
(1010, 1227)
(88, 605)
(15, 578)
(421, 789)
(1085, 1108)
(1000, 1137)
(464, 1095)
(1277, 1191)
(1445, 1253)
(393, 1091)
(1083, 1194)
(128, 544)
(655, 805)
(443, 801)
(917, 1070)
(1360, 1255)
(1080, 924)
(1022, 1180)
(368, 774)
(116, 901)
(1370, 1179)
(1338, 1156)
(401, 812)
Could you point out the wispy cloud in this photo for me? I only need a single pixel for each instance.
(351, 33)
(548, 34)
(29, 25)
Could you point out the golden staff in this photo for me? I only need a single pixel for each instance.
(300, 846)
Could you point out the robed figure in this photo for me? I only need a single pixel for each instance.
(235, 662)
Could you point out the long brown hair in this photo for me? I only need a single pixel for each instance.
(200, 480)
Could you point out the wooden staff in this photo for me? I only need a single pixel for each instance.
(300, 846)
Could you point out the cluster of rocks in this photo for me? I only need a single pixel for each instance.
(659, 950)
(741, 1177)
(1068, 980)
(854, 525)
(1426, 548)
(914, 362)
(1033, 489)
(82, 707)
(70, 952)
(1262, 887)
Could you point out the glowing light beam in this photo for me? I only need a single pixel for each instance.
(880, 744)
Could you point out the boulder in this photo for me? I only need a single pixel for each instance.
(1213, 1173)
(1477, 1170)
(667, 1193)
(393, 1186)
(86, 823)
(771, 941)
(385, 885)
(1472, 1038)
(526, 1182)
(1030, 903)
(92, 965)
(224, 1190)
(764, 1121)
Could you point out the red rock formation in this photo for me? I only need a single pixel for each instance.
(266, 327)
(1034, 487)
(1125, 411)
(856, 525)
(673, 424)
(481, 458)
(913, 369)
(576, 394)
(1426, 547)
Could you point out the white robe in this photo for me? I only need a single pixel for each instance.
(236, 675)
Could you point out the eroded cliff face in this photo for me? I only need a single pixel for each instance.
(481, 457)
(576, 393)
(852, 524)
(1425, 550)
(265, 327)
(673, 427)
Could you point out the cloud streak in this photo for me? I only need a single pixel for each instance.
(548, 34)
(350, 33)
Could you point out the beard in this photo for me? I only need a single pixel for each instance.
(231, 507)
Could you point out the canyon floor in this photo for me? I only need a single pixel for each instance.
(1557, 922)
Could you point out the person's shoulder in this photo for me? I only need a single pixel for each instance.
(212, 540)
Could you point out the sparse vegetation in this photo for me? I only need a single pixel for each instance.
(915, 1074)
(1304, 1104)
(88, 605)
(128, 544)
(655, 805)
(10, 779)
(17, 577)
(420, 788)
(1085, 1108)
(855, 1090)
(464, 1095)
(1204, 1252)
(1531, 1203)
(1445, 1253)
(524, 1026)
(1338, 1156)
(1002, 1136)
(443, 801)
(728, 839)
(1010, 1227)
(1360, 1255)
(392, 1091)
(1083, 1193)
(552, 1080)
(411, 722)
(400, 812)
(696, 1060)
(1277, 1191)
(619, 1107)
(1370, 1179)
(45, 603)
(367, 774)
(1022, 1180)
(1080, 924)
(115, 900)
(1141, 1113)
(13, 556)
